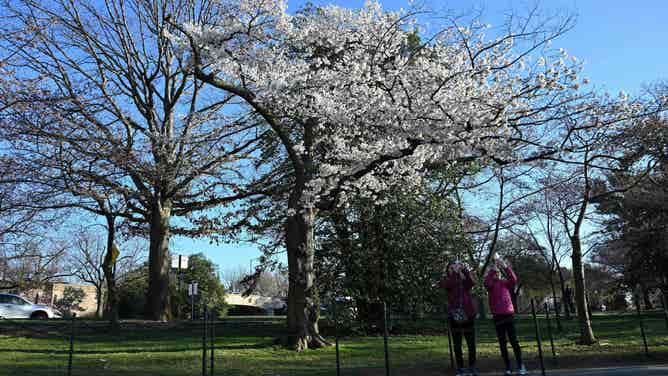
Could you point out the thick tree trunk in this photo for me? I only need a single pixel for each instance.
(108, 267)
(157, 299)
(586, 331)
(303, 302)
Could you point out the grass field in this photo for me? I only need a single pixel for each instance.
(247, 347)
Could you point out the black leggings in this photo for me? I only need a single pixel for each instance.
(466, 330)
(505, 326)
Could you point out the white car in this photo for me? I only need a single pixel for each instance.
(16, 307)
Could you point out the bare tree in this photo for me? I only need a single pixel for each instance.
(597, 145)
(31, 262)
(541, 223)
(120, 116)
(86, 260)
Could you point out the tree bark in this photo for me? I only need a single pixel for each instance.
(157, 299)
(562, 285)
(645, 297)
(108, 268)
(564, 304)
(586, 331)
(664, 301)
(557, 307)
(303, 302)
(98, 299)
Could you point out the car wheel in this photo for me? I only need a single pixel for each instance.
(39, 315)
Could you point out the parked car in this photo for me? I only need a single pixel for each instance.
(16, 307)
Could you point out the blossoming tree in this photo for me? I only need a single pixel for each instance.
(361, 100)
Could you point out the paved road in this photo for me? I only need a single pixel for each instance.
(623, 371)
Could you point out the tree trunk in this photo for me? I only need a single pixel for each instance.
(303, 302)
(98, 299)
(586, 331)
(554, 301)
(157, 299)
(562, 285)
(645, 297)
(664, 301)
(482, 310)
(564, 303)
(108, 267)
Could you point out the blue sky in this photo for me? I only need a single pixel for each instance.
(622, 44)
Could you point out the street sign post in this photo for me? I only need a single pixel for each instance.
(179, 262)
(192, 292)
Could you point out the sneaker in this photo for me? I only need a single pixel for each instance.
(460, 372)
(522, 371)
(508, 372)
(474, 371)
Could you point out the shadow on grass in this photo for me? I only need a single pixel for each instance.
(255, 346)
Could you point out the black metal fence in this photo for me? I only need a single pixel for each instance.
(548, 341)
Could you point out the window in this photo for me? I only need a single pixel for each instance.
(18, 301)
(5, 299)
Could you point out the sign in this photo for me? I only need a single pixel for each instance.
(183, 262)
(115, 252)
(192, 289)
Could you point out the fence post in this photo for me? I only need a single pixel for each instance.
(549, 333)
(336, 337)
(538, 339)
(665, 305)
(204, 343)
(71, 352)
(642, 325)
(212, 326)
(385, 334)
(447, 331)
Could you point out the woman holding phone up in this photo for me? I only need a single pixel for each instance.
(499, 281)
(461, 314)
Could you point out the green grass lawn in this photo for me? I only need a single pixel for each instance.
(247, 347)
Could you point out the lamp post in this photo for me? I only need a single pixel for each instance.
(180, 263)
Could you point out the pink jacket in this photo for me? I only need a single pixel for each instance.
(500, 302)
(459, 294)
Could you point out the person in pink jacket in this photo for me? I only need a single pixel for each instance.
(499, 281)
(461, 313)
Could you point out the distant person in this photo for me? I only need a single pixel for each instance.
(499, 282)
(461, 314)
(568, 297)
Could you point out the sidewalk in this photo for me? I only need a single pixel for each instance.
(650, 370)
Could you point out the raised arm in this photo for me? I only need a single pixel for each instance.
(489, 279)
(511, 277)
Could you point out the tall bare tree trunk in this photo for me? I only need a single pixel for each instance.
(303, 305)
(157, 299)
(562, 285)
(664, 301)
(645, 296)
(586, 331)
(108, 267)
(557, 307)
(98, 299)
